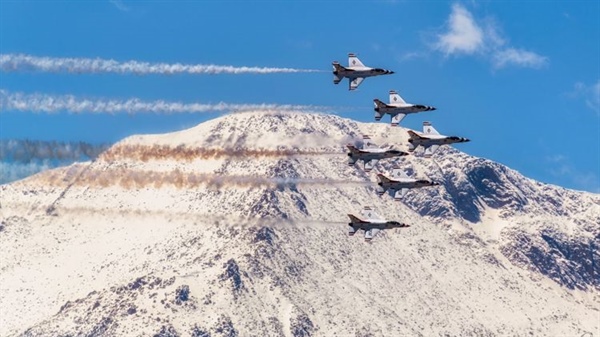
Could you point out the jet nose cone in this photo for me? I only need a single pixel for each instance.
(466, 140)
(433, 108)
(390, 72)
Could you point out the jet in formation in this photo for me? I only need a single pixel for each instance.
(430, 140)
(370, 153)
(371, 222)
(356, 72)
(398, 184)
(397, 108)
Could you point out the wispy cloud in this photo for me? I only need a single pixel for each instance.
(466, 35)
(25, 63)
(42, 103)
(120, 5)
(519, 57)
(560, 165)
(589, 93)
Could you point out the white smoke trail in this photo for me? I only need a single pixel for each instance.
(68, 103)
(21, 62)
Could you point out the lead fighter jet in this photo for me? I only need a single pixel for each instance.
(431, 140)
(371, 223)
(399, 183)
(370, 153)
(397, 108)
(355, 72)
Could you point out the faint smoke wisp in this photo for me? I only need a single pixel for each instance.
(28, 151)
(29, 63)
(22, 158)
(183, 153)
(43, 103)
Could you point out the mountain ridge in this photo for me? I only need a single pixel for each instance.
(282, 248)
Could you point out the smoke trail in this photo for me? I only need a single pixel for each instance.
(68, 103)
(22, 158)
(29, 151)
(182, 153)
(10, 172)
(132, 179)
(21, 62)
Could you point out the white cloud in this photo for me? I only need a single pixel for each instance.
(518, 57)
(466, 35)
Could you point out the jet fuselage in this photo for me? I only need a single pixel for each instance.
(436, 140)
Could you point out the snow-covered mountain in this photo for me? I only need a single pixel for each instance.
(238, 227)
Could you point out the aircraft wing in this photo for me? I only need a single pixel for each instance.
(398, 173)
(370, 214)
(369, 234)
(397, 118)
(430, 150)
(355, 82)
(400, 194)
(369, 165)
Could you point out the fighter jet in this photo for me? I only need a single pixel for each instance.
(430, 140)
(371, 223)
(370, 154)
(399, 183)
(398, 108)
(355, 72)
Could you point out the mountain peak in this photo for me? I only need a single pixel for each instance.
(245, 215)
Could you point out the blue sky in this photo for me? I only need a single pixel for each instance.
(519, 78)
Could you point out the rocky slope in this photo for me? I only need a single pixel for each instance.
(237, 227)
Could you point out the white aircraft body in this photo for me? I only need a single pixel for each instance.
(356, 72)
(398, 184)
(431, 140)
(371, 222)
(370, 153)
(397, 108)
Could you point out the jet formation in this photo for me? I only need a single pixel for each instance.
(398, 183)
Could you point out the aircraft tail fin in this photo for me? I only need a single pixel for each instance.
(354, 219)
(414, 135)
(337, 67)
(378, 105)
(383, 179)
